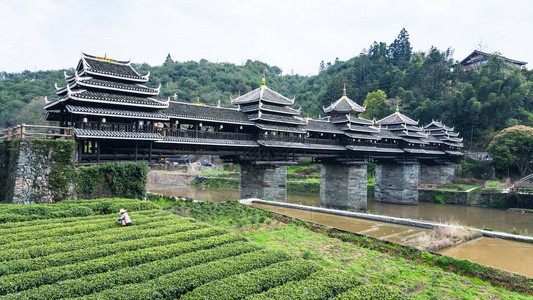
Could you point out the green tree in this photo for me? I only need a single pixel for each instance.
(513, 148)
(400, 50)
(377, 105)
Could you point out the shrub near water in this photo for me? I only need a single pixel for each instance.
(221, 214)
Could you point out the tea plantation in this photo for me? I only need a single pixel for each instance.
(75, 249)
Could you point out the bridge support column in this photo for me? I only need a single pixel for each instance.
(343, 186)
(436, 174)
(260, 181)
(397, 183)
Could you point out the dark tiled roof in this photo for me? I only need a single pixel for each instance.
(216, 142)
(206, 112)
(277, 118)
(112, 68)
(412, 128)
(387, 134)
(456, 153)
(397, 118)
(119, 99)
(300, 145)
(435, 125)
(269, 107)
(116, 112)
(433, 139)
(114, 85)
(263, 94)
(122, 135)
(273, 127)
(362, 136)
(423, 151)
(359, 128)
(415, 141)
(374, 149)
(344, 105)
(355, 120)
(322, 126)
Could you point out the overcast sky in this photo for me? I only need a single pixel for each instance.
(294, 35)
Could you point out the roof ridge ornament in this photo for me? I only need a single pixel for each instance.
(344, 91)
(147, 76)
(263, 83)
(397, 106)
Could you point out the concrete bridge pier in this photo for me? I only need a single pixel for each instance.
(397, 183)
(343, 186)
(436, 174)
(263, 181)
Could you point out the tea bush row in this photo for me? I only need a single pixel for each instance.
(139, 232)
(174, 284)
(242, 285)
(27, 280)
(20, 213)
(69, 219)
(110, 227)
(82, 222)
(320, 285)
(58, 259)
(68, 230)
(136, 274)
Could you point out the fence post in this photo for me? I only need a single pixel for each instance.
(23, 131)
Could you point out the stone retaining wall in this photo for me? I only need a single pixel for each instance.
(170, 178)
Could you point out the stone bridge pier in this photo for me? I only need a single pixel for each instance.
(263, 181)
(343, 186)
(436, 174)
(397, 183)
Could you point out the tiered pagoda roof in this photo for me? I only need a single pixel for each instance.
(344, 114)
(269, 110)
(105, 87)
(404, 127)
(444, 134)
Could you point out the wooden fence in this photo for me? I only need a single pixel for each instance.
(28, 132)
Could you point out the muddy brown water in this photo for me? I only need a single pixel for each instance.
(508, 255)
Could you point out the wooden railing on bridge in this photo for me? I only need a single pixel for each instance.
(25, 131)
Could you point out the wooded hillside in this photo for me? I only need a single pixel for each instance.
(426, 85)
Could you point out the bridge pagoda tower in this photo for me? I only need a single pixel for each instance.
(397, 181)
(272, 115)
(109, 105)
(343, 184)
(443, 172)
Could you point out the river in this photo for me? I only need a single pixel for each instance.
(507, 255)
(478, 217)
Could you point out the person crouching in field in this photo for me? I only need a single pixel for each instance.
(124, 218)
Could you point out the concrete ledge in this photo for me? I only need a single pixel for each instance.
(387, 219)
(402, 221)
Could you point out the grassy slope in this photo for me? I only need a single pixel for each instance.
(418, 280)
(161, 256)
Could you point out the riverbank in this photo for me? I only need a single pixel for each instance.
(472, 216)
(420, 275)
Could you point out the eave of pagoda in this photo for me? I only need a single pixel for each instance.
(265, 94)
(107, 98)
(100, 84)
(260, 116)
(269, 108)
(116, 113)
(84, 67)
